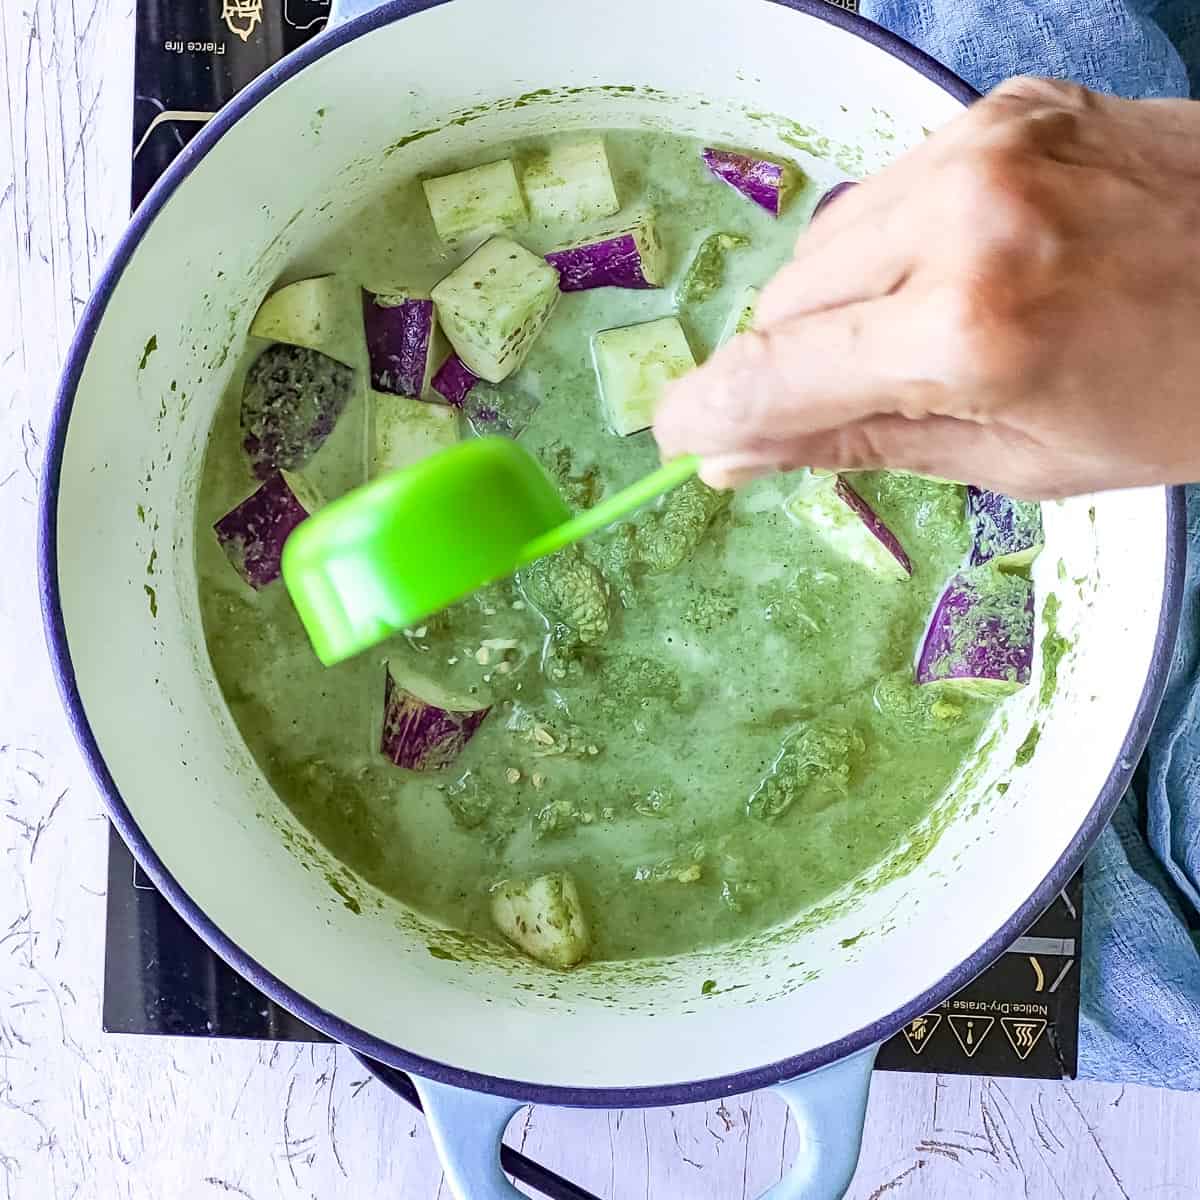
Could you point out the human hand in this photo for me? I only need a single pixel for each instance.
(1015, 304)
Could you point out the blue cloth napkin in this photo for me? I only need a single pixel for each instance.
(1140, 974)
(1118, 46)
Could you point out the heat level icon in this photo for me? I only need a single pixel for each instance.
(1023, 1033)
(971, 1031)
(920, 1030)
(242, 17)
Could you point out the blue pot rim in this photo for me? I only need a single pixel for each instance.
(332, 1025)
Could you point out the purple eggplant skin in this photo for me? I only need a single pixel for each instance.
(420, 736)
(454, 381)
(871, 519)
(1004, 531)
(398, 337)
(830, 196)
(292, 399)
(252, 535)
(757, 179)
(608, 262)
(981, 636)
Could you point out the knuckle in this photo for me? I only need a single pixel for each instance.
(1009, 217)
(983, 184)
(1029, 115)
(1035, 91)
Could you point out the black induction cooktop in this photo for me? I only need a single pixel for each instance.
(1019, 1018)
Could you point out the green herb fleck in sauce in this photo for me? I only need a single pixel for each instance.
(1028, 747)
(1054, 648)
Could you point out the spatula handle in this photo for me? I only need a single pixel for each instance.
(623, 504)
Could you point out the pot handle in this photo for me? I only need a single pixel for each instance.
(828, 1105)
(467, 1128)
(342, 11)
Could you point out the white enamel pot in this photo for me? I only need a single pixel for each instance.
(298, 152)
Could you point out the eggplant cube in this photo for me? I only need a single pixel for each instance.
(764, 182)
(840, 517)
(544, 918)
(1004, 531)
(634, 364)
(830, 196)
(425, 727)
(292, 400)
(499, 412)
(632, 257)
(252, 535)
(980, 639)
(571, 183)
(314, 313)
(477, 201)
(494, 305)
(407, 431)
(453, 381)
(400, 339)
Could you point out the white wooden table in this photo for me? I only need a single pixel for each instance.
(85, 1115)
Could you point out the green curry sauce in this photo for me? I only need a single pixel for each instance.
(731, 734)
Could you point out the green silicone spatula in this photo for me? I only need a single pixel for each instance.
(387, 555)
